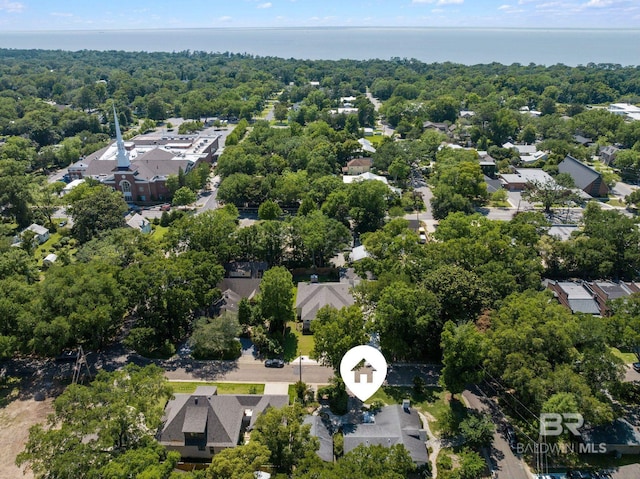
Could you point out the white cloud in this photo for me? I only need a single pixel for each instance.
(11, 7)
(505, 7)
(61, 14)
(265, 5)
(598, 3)
(226, 18)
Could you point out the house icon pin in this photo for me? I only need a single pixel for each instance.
(363, 373)
(363, 370)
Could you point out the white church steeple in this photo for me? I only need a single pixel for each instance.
(124, 163)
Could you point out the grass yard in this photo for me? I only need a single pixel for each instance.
(375, 139)
(627, 356)
(159, 232)
(189, 387)
(295, 343)
(43, 249)
(613, 201)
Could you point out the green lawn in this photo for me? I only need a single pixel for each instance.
(613, 201)
(375, 139)
(627, 357)
(292, 393)
(159, 232)
(296, 343)
(43, 249)
(223, 388)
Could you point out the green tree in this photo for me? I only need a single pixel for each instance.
(462, 353)
(472, 465)
(407, 318)
(215, 338)
(548, 193)
(184, 196)
(444, 108)
(280, 111)
(156, 109)
(239, 462)
(210, 231)
(284, 435)
(368, 204)
(276, 298)
(316, 237)
(99, 209)
(131, 398)
(269, 210)
(477, 430)
(336, 332)
(75, 304)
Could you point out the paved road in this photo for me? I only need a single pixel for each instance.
(621, 189)
(210, 202)
(386, 129)
(506, 464)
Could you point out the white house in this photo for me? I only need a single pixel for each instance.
(41, 233)
(627, 110)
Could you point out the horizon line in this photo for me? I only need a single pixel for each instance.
(325, 27)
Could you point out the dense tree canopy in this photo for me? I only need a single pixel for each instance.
(79, 442)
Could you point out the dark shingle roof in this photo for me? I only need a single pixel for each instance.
(393, 425)
(313, 296)
(585, 177)
(319, 430)
(620, 432)
(219, 417)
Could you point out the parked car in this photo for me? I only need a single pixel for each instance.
(511, 437)
(636, 367)
(274, 363)
(166, 207)
(62, 223)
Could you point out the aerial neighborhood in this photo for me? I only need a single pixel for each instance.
(191, 242)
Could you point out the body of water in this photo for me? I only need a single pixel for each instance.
(468, 46)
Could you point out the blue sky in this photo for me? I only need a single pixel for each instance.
(117, 14)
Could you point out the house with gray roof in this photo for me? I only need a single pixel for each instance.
(313, 296)
(202, 424)
(233, 290)
(575, 296)
(619, 437)
(397, 424)
(607, 291)
(586, 178)
(608, 154)
(518, 180)
(138, 222)
(41, 234)
(320, 430)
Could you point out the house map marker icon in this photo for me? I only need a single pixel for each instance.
(363, 370)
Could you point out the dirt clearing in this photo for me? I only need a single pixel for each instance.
(15, 420)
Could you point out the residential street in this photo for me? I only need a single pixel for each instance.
(506, 464)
